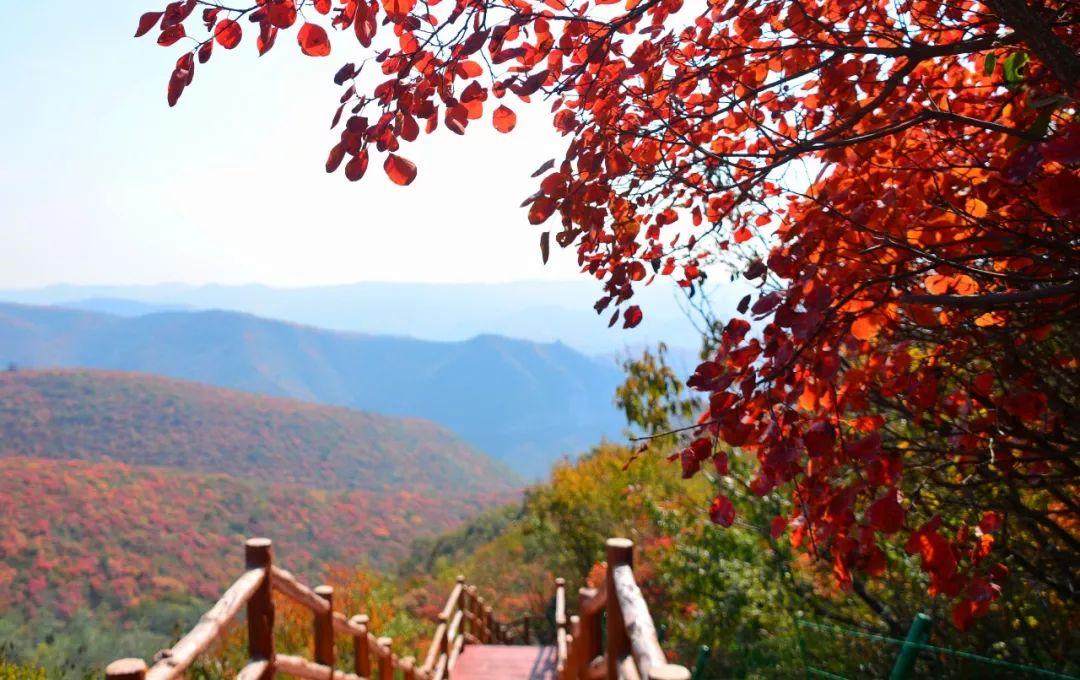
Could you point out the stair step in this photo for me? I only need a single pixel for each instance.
(505, 662)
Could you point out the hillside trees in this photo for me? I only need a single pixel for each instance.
(898, 179)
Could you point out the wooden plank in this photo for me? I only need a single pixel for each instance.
(286, 584)
(453, 631)
(505, 662)
(452, 601)
(299, 667)
(256, 670)
(209, 627)
(459, 644)
(126, 669)
(439, 673)
(435, 649)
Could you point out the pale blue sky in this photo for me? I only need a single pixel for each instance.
(100, 182)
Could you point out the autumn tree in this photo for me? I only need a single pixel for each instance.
(898, 178)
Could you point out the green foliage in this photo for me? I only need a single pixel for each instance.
(653, 397)
(11, 671)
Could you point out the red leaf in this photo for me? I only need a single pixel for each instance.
(267, 36)
(541, 210)
(146, 22)
(545, 245)
(356, 167)
(632, 316)
(962, 614)
(170, 35)
(337, 154)
(990, 522)
(313, 41)
(778, 526)
(228, 34)
(397, 8)
(365, 24)
(282, 14)
(885, 514)
(473, 43)
(322, 6)
(721, 511)
(504, 119)
(177, 83)
(530, 85)
(548, 164)
(399, 170)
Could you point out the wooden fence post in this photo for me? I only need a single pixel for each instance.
(489, 622)
(620, 552)
(386, 659)
(361, 649)
(324, 628)
(525, 628)
(408, 668)
(573, 649)
(588, 638)
(481, 621)
(126, 669)
(260, 608)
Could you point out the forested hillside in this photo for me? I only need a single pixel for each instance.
(105, 559)
(521, 402)
(123, 498)
(148, 420)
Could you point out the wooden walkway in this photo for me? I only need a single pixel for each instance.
(505, 662)
(469, 643)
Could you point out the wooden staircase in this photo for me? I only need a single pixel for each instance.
(469, 642)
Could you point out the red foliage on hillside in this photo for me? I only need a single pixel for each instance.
(78, 535)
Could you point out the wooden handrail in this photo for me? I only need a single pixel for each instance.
(286, 584)
(253, 588)
(465, 619)
(209, 627)
(454, 600)
(631, 650)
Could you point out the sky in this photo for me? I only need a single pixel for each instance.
(102, 183)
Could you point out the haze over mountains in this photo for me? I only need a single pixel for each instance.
(521, 402)
(537, 311)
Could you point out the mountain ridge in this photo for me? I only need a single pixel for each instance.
(140, 419)
(521, 402)
(540, 311)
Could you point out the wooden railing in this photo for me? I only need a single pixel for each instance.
(465, 616)
(464, 619)
(631, 650)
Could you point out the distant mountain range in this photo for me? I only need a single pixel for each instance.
(524, 403)
(537, 311)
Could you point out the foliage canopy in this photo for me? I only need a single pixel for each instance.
(899, 178)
